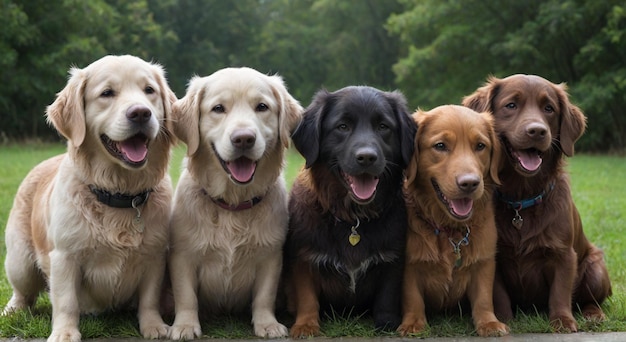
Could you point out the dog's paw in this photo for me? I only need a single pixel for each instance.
(492, 329)
(65, 335)
(594, 313)
(564, 324)
(414, 327)
(270, 330)
(184, 331)
(305, 330)
(155, 331)
(388, 322)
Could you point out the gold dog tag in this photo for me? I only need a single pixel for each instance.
(354, 237)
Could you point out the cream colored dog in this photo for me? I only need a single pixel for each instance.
(91, 224)
(229, 217)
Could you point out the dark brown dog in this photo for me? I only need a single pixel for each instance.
(346, 239)
(544, 258)
(451, 242)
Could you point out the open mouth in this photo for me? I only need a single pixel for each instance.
(240, 170)
(362, 187)
(459, 208)
(527, 161)
(132, 151)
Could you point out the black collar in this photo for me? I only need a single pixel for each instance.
(119, 200)
(237, 207)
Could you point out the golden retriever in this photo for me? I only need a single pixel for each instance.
(91, 224)
(451, 242)
(229, 217)
(544, 258)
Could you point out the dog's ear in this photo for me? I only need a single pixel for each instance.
(496, 146)
(67, 112)
(290, 111)
(573, 121)
(408, 128)
(306, 137)
(481, 99)
(167, 97)
(186, 115)
(411, 170)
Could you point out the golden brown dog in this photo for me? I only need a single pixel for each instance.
(451, 242)
(91, 224)
(229, 217)
(544, 258)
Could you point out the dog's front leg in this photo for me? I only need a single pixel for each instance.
(307, 303)
(561, 289)
(65, 279)
(264, 297)
(184, 279)
(413, 306)
(480, 294)
(151, 323)
(386, 310)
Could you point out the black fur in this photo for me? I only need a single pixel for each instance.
(337, 127)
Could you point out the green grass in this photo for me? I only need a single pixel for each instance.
(599, 188)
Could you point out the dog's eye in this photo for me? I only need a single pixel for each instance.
(480, 146)
(219, 109)
(149, 90)
(511, 105)
(262, 107)
(107, 93)
(549, 109)
(440, 146)
(383, 127)
(343, 127)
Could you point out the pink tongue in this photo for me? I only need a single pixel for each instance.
(529, 159)
(135, 149)
(363, 186)
(461, 207)
(242, 169)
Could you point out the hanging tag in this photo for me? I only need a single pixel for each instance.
(138, 223)
(354, 237)
(517, 221)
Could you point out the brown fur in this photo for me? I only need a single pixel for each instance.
(548, 262)
(59, 235)
(456, 148)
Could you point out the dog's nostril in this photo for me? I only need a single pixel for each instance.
(138, 114)
(468, 182)
(366, 157)
(243, 138)
(536, 130)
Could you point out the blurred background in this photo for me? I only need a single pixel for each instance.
(434, 51)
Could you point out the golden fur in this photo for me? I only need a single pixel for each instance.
(223, 260)
(456, 158)
(91, 255)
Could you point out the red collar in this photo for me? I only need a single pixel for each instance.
(237, 207)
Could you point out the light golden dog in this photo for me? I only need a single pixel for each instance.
(451, 243)
(229, 218)
(91, 224)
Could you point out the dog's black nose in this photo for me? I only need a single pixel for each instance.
(138, 113)
(243, 138)
(468, 182)
(366, 156)
(536, 131)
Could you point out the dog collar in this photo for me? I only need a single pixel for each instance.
(525, 203)
(119, 200)
(237, 207)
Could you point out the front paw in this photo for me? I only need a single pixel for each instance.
(155, 331)
(564, 324)
(184, 331)
(387, 322)
(412, 327)
(305, 330)
(270, 330)
(492, 329)
(65, 335)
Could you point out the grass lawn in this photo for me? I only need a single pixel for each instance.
(599, 188)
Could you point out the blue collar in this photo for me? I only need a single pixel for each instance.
(525, 203)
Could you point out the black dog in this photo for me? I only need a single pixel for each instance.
(346, 239)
